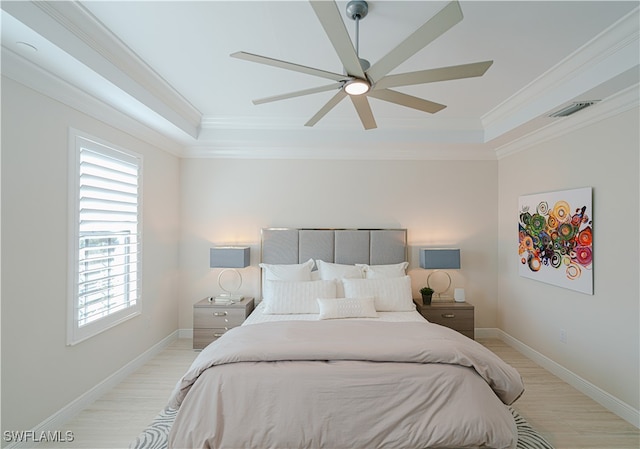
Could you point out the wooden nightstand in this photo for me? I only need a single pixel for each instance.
(458, 316)
(212, 320)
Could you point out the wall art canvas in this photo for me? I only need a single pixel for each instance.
(555, 235)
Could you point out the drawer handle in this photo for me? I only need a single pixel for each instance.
(220, 334)
(220, 313)
(448, 315)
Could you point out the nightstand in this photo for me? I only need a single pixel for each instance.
(458, 316)
(211, 320)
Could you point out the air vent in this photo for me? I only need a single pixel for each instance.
(573, 108)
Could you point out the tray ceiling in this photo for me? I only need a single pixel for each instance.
(167, 64)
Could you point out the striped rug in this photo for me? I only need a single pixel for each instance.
(155, 436)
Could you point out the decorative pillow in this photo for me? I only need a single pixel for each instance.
(346, 308)
(385, 271)
(291, 297)
(390, 294)
(288, 272)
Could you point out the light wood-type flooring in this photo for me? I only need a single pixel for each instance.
(564, 416)
(561, 414)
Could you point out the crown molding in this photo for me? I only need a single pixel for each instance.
(427, 123)
(443, 153)
(617, 104)
(409, 149)
(609, 54)
(72, 28)
(40, 80)
(319, 144)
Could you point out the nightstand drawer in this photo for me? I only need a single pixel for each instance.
(455, 319)
(211, 320)
(202, 337)
(458, 316)
(209, 317)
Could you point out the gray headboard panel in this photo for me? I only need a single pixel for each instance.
(316, 244)
(344, 246)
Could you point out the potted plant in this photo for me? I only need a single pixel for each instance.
(427, 293)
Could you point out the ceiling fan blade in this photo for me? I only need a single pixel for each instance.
(337, 98)
(329, 16)
(364, 111)
(299, 93)
(289, 66)
(431, 30)
(433, 75)
(407, 100)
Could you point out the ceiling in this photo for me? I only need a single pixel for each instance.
(167, 65)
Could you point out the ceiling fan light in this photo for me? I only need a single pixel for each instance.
(357, 87)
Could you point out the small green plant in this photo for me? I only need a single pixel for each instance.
(426, 291)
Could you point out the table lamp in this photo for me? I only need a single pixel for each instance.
(230, 258)
(439, 259)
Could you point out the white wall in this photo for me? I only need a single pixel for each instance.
(469, 204)
(441, 203)
(40, 374)
(603, 339)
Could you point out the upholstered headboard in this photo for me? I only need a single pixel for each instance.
(343, 246)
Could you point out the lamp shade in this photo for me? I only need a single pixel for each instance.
(229, 257)
(439, 258)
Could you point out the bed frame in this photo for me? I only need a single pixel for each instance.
(343, 246)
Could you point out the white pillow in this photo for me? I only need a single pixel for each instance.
(347, 308)
(390, 294)
(338, 272)
(329, 270)
(285, 272)
(288, 272)
(385, 271)
(291, 297)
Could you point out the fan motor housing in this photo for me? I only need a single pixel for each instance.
(357, 9)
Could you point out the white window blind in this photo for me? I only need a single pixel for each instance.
(107, 238)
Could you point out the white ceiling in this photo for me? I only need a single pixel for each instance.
(167, 64)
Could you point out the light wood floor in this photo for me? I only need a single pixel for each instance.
(564, 416)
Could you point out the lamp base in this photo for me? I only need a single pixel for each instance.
(438, 293)
(226, 298)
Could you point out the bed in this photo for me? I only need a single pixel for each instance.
(336, 356)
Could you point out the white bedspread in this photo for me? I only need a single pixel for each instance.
(348, 385)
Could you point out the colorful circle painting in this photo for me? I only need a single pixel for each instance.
(555, 236)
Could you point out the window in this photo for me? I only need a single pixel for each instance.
(105, 236)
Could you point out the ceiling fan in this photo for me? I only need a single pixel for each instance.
(363, 80)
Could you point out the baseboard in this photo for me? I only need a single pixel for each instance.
(486, 332)
(611, 403)
(57, 421)
(185, 333)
